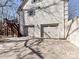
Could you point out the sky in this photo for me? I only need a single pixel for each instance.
(73, 8)
(9, 11)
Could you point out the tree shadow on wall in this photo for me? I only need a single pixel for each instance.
(69, 32)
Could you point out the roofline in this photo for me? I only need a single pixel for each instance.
(22, 5)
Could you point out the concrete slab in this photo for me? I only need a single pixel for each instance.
(48, 49)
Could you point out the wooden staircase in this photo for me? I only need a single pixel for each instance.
(12, 28)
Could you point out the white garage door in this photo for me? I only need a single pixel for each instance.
(50, 32)
(31, 31)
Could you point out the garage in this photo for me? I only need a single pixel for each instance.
(49, 30)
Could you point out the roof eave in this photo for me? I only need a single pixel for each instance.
(22, 5)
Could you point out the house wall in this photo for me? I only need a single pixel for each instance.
(73, 36)
(49, 12)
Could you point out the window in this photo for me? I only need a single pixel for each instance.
(34, 1)
(31, 12)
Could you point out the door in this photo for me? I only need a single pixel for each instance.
(49, 30)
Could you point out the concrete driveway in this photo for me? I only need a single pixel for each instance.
(48, 49)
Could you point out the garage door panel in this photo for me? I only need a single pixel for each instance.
(30, 31)
(50, 32)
